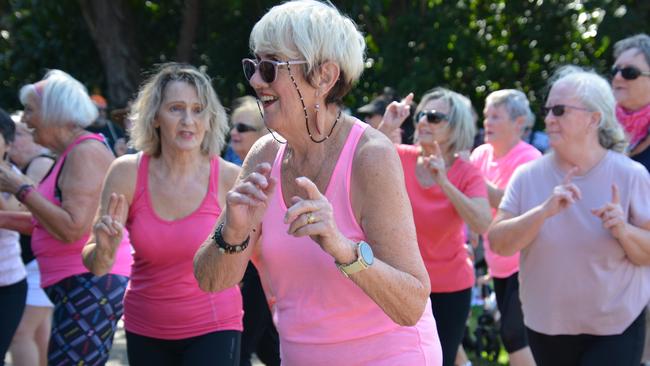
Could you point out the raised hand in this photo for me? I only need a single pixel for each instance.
(247, 201)
(436, 164)
(109, 228)
(563, 196)
(395, 114)
(313, 216)
(10, 180)
(612, 214)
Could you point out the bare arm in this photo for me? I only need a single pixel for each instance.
(99, 253)
(80, 183)
(39, 168)
(494, 194)
(475, 211)
(17, 221)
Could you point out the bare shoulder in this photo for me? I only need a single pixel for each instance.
(91, 152)
(228, 173)
(122, 175)
(263, 151)
(375, 155)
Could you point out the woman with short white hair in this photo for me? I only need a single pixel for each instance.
(446, 192)
(580, 216)
(322, 201)
(61, 208)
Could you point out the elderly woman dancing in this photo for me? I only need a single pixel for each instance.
(327, 212)
(581, 218)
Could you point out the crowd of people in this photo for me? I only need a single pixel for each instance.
(294, 230)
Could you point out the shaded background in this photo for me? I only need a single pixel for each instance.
(470, 46)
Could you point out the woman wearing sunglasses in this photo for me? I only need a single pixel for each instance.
(580, 216)
(322, 203)
(168, 197)
(631, 84)
(446, 192)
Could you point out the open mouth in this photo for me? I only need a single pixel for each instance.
(267, 100)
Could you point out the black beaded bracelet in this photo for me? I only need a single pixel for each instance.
(225, 247)
(23, 191)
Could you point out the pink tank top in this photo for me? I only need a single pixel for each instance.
(322, 317)
(56, 259)
(163, 299)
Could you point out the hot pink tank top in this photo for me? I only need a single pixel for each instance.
(322, 317)
(163, 299)
(56, 259)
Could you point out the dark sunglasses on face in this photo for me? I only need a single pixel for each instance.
(242, 127)
(559, 109)
(433, 116)
(629, 72)
(268, 69)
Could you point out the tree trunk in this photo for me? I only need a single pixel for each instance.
(188, 31)
(111, 27)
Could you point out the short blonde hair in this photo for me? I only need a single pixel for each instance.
(63, 100)
(461, 124)
(596, 95)
(249, 104)
(316, 32)
(145, 137)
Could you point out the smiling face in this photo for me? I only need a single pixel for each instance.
(33, 118)
(427, 132)
(573, 128)
(632, 94)
(181, 118)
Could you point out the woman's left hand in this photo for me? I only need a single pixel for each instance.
(10, 181)
(314, 216)
(612, 215)
(436, 164)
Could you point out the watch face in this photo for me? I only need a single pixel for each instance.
(366, 253)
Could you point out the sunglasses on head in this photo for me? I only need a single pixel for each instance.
(433, 116)
(242, 127)
(559, 109)
(268, 69)
(629, 72)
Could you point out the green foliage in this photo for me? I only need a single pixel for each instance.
(471, 46)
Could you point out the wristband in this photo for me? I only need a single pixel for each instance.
(23, 191)
(225, 247)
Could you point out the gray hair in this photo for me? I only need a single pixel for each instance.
(640, 41)
(461, 123)
(596, 95)
(316, 32)
(145, 137)
(248, 103)
(515, 103)
(63, 100)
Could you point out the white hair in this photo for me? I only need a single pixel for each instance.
(316, 32)
(515, 103)
(596, 95)
(63, 100)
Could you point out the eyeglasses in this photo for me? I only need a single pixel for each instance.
(242, 127)
(268, 69)
(433, 116)
(559, 109)
(629, 72)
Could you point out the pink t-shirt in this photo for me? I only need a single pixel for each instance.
(440, 228)
(163, 299)
(56, 259)
(575, 278)
(324, 318)
(498, 172)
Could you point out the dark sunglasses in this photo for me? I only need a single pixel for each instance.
(268, 69)
(629, 72)
(559, 109)
(242, 127)
(433, 116)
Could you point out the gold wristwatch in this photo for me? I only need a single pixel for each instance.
(365, 258)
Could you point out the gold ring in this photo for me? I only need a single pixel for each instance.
(310, 218)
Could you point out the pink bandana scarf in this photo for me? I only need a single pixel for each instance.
(636, 124)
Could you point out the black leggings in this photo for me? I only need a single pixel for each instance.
(12, 298)
(623, 349)
(513, 330)
(219, 348)
(451, 310)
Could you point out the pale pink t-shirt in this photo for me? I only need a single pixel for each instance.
(575, 278)
(56, 259)
(498, 172)
(163, 299)
(324, 318)
(439, 227)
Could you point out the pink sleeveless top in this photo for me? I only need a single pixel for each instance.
(163, 299)
(56, 259)
(322, 317)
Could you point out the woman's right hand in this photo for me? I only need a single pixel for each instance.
(563, 196)
(395, 114)
(246, 203)
(109, 229)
